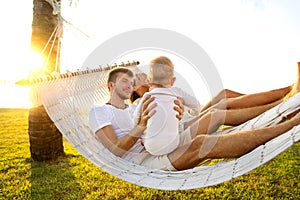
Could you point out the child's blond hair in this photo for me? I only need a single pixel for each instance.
(161, 71)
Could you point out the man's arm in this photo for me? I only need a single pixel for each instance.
(119, 146)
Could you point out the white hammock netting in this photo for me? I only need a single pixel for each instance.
(68, 100)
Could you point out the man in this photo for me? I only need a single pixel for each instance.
(113, 125)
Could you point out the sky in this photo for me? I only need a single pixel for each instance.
(254, 44)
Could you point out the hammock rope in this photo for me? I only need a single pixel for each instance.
(68, 99)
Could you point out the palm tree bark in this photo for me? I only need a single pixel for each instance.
(44, 22)
(45, 140)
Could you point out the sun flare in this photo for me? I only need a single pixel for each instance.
(33, 65)
(29, 65)
(34, 62)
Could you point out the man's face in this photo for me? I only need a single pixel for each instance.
(123, 86)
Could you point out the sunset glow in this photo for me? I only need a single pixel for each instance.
(253, 43)
(35, 64)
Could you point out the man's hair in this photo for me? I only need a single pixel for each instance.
(112, 77)
(161, 70)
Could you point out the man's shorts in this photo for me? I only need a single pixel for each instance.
(161, 162)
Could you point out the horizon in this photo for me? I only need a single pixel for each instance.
(254, 44)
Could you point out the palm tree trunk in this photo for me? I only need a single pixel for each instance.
(44, 23)
(45, 140)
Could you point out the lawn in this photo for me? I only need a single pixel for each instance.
(74, 177)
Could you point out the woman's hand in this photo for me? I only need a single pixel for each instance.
(146, 111)
(179, 108)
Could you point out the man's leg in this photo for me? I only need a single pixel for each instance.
(226, 146)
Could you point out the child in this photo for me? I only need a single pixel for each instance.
(162, 134)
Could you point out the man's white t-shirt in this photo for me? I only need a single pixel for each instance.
(162, 134)
(121, 121)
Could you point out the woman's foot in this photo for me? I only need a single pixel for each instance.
(296, 87)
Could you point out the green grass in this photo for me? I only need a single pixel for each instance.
(74, 177)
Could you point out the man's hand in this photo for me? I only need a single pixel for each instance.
(147, 111)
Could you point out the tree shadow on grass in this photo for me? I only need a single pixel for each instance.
(54, 179)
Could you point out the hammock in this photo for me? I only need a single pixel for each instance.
(68, 98)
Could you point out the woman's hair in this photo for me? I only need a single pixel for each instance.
(134, 96)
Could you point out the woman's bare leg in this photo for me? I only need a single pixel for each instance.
(221, 95)
(249, 100)
(228, 99)
(238, 100)
(212, 120)
(257, 99)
